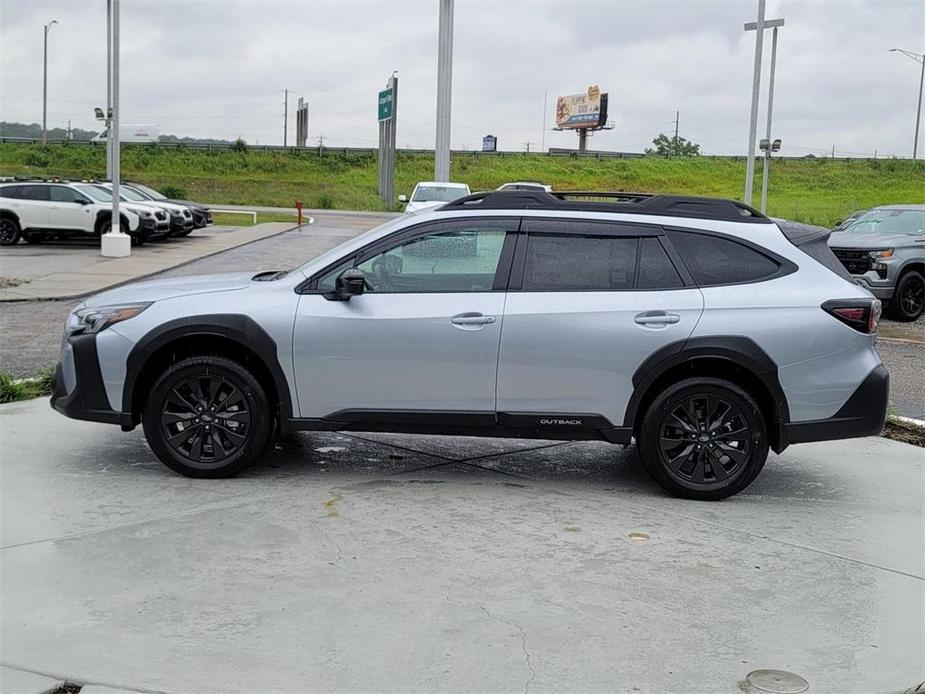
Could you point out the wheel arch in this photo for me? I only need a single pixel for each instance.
(9, 214)
(233, 336)
(733, 358)
(914, 265)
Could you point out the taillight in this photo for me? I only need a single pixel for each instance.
(861, 314)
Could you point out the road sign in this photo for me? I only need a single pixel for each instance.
(386, 103)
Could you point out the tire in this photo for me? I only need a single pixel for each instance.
(182, 233)
(33, 237)
(909, 298)
(738, 444)
(210, 449)
(9, 231)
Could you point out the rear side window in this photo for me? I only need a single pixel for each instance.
(574, 263)
(33, 193)
(712, 260)
(655, 268)
(8, 191)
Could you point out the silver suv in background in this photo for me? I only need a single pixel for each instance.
(884, 250)
(697, 327)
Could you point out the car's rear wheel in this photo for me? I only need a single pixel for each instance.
(703, 438)
(9, 232)
(207, 416)
(909, 297)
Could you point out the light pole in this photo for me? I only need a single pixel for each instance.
(919, 58)
(114, 243)
(444, 91)
(753, 26)
(45, 86)
(753, 116)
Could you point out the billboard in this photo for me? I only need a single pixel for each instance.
(588, 110)
(489, 143)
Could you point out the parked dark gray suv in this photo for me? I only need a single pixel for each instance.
(884, 250)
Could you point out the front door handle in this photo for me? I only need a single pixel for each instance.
(657, 318)
(471, 318)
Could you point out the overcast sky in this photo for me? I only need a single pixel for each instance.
(218, 68)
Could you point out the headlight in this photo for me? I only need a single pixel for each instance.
(89, 321)
(882, 254)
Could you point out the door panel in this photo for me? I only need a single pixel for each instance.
(31, 205)
(65, 213)
(397, 352)
(576, 352)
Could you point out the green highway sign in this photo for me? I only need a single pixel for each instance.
(386, 104)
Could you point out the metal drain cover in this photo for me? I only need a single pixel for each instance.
(777, 682)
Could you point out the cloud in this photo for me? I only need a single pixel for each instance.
(219, 68)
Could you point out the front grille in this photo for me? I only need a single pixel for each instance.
(186, 213)
(856, 261)
(161, 215)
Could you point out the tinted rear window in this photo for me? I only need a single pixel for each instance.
(712, 260)
(33, 193)
(570, 263)
(8, 191)
(655, 268)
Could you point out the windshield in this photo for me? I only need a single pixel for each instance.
(150, 192)
(889, 222)
(131, 195)
(437, 194)
(97, 193)
(135, 189)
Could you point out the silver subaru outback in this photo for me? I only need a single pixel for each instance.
(697, 327)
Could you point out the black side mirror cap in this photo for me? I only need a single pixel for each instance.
(351, 282)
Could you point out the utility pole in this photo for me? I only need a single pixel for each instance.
(753, 117)
(919, 58)
(444, 91)
(68, 129)
(833, 151)
(115, 244)
(45, 85)
(774, 24)
(543, 138)
(677, 121)
(108, 119)
(527, 146)
(285, 117)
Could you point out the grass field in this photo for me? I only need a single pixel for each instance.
(242, 220)
(819, 191)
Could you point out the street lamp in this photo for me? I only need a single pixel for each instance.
(919, 58)
(45, 85)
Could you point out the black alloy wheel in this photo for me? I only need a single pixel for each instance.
(703, 438)
(207, 416)
(9, 232)
(909, 299)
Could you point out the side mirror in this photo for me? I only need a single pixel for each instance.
(351, 282)
(402, 198)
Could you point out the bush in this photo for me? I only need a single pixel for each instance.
(13, 389)
(37, 158)
(325, 201)
(173, 192)
(239, 145)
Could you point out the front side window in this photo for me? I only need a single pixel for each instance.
(65, 194)
(131, 195)
(579, 263)
(463, 260)
(712, 260)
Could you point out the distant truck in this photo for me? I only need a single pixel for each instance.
(132, 133)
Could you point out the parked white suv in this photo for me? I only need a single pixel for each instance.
(428, 195)
(35, 211)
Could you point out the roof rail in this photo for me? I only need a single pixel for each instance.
(602, 201)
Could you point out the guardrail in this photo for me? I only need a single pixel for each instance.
(346, 151)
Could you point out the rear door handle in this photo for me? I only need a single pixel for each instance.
(471, 318)
(656, 318)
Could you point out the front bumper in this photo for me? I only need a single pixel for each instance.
(78, 390)
(179, 223)
(882, 289)
(863, 414)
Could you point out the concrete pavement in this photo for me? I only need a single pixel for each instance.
(395, 563)
(66, 270)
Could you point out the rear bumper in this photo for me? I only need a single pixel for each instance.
(78, 390)
(863, 414)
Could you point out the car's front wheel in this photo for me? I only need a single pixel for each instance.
(909, 298)
(207, 416)
(703, 438)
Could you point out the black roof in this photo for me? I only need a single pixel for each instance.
(594, 201)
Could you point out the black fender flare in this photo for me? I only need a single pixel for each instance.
(740, 352)
(102, 215)
(238, 328)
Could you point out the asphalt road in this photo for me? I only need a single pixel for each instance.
(397, 564)
(31, 331)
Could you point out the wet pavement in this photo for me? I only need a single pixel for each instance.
(376, 562)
